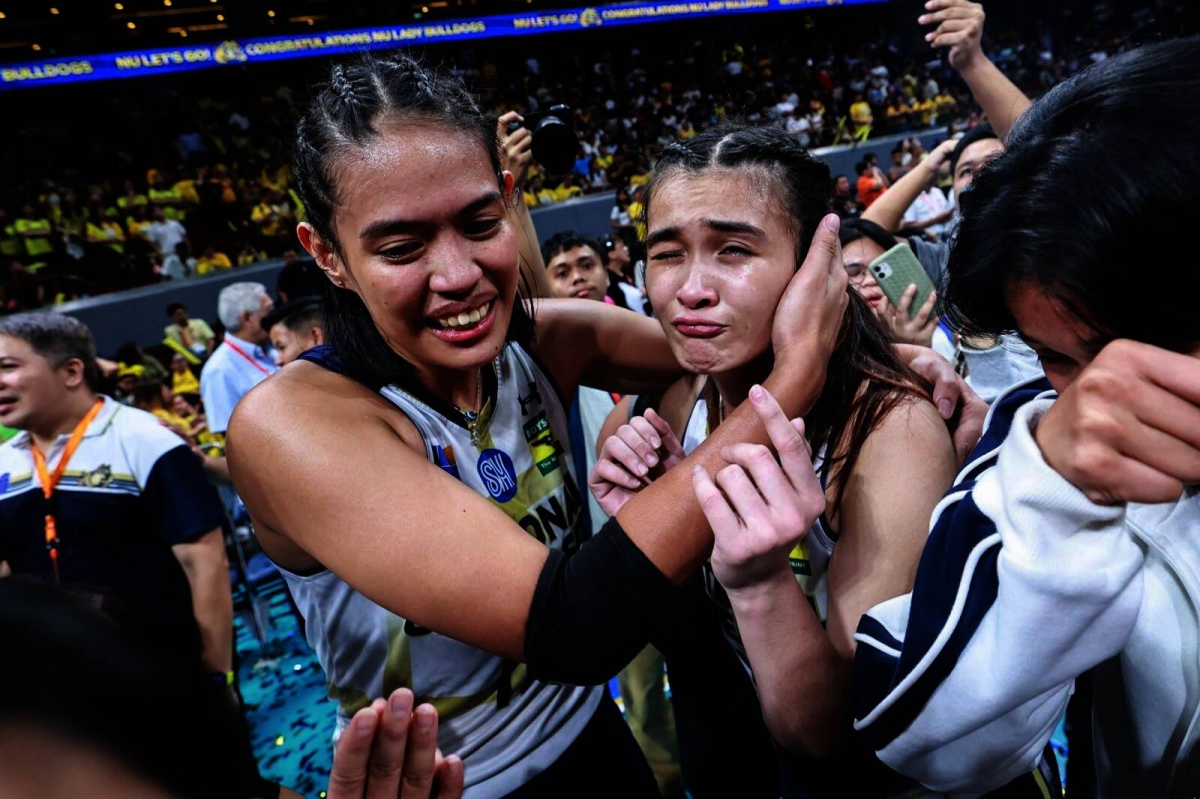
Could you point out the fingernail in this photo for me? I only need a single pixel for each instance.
(454, 767)
(652, 459)
(945, 408)
(641, 468)
(929, 37)
(401, 704)
(364, 725)
(921, 19)
(655, 442)
(831, 222)
(697, 470)
(756, 392)
(424, 718)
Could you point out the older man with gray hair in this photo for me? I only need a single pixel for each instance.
(242, 360)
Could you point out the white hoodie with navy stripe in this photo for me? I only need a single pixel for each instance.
(1023, 585)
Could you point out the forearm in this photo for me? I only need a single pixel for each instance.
(888, 210)
(212, 605)
(803, 683)
(998, 96)
(665, 520)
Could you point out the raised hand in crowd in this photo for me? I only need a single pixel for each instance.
(1127, 429)
(516, 151)
(960, 27)
(637, 453)
(389, 751)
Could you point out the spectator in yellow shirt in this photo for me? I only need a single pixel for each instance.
(131, 198)
(635, 210)
(544, 196)
(924, 111)
(183, 379)
(192, 334)
(861, 117)
(567, 189)
(104, 231)
(11, 245)
(212, 261)
(36, 231)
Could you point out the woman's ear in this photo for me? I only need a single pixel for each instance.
(321, 252)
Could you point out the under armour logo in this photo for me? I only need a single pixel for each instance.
(533, 396)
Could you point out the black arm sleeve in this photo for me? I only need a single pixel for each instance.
(594, 611)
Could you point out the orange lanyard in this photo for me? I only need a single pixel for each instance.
(49, 481)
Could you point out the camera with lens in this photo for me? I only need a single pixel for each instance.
(554, 140)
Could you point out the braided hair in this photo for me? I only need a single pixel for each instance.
(345, 114)
(865, 379)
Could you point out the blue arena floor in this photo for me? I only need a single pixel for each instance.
(290, 716)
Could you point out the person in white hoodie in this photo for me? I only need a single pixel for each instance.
(1071, 539)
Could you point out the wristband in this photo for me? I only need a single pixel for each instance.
(221, 679)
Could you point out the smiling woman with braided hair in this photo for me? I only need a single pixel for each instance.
(427, 547)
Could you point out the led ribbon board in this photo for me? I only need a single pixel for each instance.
(135, 63)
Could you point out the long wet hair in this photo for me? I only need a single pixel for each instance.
(346, 113)
(865, 379)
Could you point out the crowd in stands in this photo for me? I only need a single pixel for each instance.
(968, 512)
(211, 190)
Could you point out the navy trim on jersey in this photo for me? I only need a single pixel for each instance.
(961, 554)
(324, 356)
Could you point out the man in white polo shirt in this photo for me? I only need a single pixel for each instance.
(102, 500)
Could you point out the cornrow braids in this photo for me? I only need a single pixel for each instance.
(865, 379)
(348, 112)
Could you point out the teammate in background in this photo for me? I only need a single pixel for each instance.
(295, 328)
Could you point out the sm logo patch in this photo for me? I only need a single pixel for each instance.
(498, 474)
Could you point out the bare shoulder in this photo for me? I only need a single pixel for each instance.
(312, 406)
(910, 445)
(916, 421)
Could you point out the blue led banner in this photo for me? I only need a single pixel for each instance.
(55, 71)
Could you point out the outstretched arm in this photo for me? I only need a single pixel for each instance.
(960, 27)
(888, 210)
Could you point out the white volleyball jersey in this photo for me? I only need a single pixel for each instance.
(506, 726)
(809, 559)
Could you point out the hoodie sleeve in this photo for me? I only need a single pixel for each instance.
(1023, 585)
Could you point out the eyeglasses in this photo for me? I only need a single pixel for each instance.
(857, 273)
